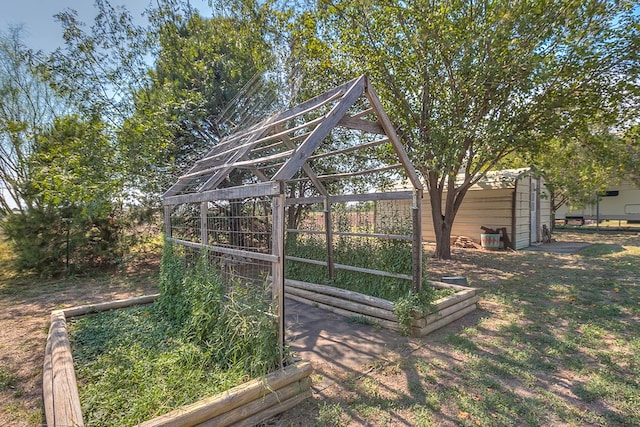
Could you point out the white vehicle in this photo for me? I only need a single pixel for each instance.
(619, 202)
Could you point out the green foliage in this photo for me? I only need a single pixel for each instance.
(74, 164)
(390, 255)
(173, 272)
(72, 186)
(577, 169)
(133, 365)
(99, 66)
(201, 65)
(358, 252)
(468, 84)
(378, 254)
(418, 303)
(233, 321)
(7, 379)
(632, 140)
(200, 338)
(38, 240)
(27, 105)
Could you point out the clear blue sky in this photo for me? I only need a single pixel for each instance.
(43, 32)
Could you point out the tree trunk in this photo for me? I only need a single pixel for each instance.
(443, 239)
(441, 226)
(443, 219)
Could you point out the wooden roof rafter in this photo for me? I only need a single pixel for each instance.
(287, 144)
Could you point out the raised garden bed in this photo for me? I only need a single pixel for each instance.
(247, 404)
(380, 311)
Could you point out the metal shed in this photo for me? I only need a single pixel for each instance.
(515, 199)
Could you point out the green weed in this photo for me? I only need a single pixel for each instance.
(361, 320)
(7, 380)
(383, 254)
(358, 252)
(200, 338)
(331, 415)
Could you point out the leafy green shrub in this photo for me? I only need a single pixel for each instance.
(38, 240)
(386, 255)
(71, 190)
(173, 272)
(414, 303)
(133, 365)
(390, 255)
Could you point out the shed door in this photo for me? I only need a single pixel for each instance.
(534, 211)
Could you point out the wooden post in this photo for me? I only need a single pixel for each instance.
(204, 235)
(328, 226)
(277, 267)
(416, 213)
(167, 221)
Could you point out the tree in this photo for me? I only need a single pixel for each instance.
(99, 69)
(470, 82)
(162, 113)
(631, 141)
(72, 178)
(26, 106)
(577, 169)
(201, 65)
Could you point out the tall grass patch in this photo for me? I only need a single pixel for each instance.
(394, 256)
(200, 338)
(391, 256)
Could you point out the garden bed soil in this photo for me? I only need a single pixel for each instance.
(248, 404)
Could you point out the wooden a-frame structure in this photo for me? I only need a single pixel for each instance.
(268, 156)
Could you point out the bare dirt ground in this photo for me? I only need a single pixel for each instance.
(480, 370)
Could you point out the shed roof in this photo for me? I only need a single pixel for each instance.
(292, 145)
(505, 178)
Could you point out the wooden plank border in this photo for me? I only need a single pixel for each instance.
(242, 401)
(59, 386)
(380, 311)
(247, 404)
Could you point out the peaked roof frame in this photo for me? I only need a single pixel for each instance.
(283, 149)
(289, 149)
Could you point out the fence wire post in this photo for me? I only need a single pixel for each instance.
(277, 266)
(416, 216)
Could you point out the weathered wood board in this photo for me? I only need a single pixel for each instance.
(247, 404)
(380, 311)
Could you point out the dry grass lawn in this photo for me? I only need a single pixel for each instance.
(556, 341)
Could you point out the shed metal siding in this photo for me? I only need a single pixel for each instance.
(489, 208)
(495, 208)
(522, 213)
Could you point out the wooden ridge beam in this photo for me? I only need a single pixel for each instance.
(312, 142)
(393, 136)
